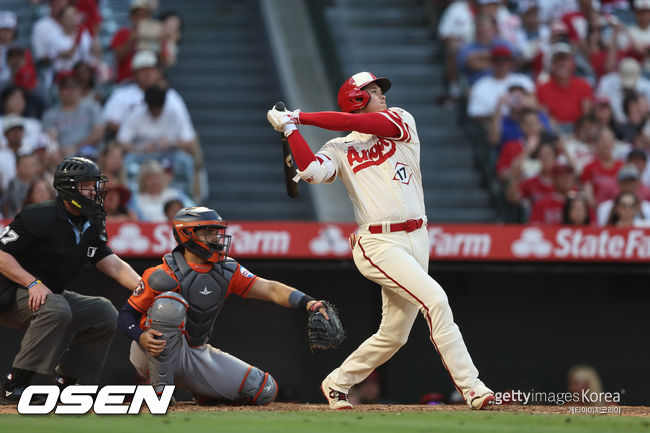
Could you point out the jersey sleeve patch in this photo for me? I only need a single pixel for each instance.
(139, 289)
(146, 293)
(241, 282)
(15, 236)
(245, 272)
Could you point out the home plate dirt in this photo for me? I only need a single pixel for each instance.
(641, 411)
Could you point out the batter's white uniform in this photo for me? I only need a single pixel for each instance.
(382, 177)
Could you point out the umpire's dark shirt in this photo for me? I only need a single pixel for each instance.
(46, 243)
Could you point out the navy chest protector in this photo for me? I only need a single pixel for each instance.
(204, 292)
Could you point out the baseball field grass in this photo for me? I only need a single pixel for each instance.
(313, 422)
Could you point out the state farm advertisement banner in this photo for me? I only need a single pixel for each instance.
(311, 240)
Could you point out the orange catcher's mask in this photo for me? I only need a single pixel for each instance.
(202, 231)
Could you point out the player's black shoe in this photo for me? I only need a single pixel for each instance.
(64, 381)
(14, 384)
(10, 396)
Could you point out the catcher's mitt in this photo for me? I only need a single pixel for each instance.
(323, 333)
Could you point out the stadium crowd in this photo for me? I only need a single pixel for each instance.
(558, 88)
(558, 92)
(71, 89)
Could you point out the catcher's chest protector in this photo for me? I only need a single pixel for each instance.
(205, 292)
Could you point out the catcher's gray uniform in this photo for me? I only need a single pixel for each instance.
(176, 296)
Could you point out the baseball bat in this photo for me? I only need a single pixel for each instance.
(289, 166)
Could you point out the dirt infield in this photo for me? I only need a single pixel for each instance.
(640, 411)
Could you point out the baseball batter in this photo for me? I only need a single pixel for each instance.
(379, 164)
(171, 314)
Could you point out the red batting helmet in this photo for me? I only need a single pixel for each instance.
(351, 96)
(187, 223)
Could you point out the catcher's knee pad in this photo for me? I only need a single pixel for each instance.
(258, 388)
(167, 315)
(167, 312)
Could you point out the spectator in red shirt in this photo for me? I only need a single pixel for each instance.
(535, 188)
(576, 210)
(549, 209)
(564, 96)
(124, 43)
(577, 23)
(91, 18)
(599, 177)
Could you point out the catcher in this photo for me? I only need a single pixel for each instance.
(171, 314)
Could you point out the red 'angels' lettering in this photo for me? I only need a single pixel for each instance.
(378, 153)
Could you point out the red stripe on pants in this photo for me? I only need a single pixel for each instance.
(421, 303)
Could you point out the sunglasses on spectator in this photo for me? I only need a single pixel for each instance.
(627, 204)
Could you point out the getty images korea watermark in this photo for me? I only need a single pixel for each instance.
(585, 401)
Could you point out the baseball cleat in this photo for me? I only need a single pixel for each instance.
(12, 397)
(484, 401)
(338, 400)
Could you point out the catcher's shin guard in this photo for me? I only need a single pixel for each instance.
(258, 388)
(166, 315)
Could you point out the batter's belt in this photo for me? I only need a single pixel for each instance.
(407, 226)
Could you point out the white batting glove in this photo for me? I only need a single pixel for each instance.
(283, 121)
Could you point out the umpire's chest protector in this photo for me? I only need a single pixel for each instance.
(205, 293)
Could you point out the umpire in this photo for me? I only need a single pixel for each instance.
(67, 334)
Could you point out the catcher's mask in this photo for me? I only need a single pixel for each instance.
(202, 231)
(80, 183)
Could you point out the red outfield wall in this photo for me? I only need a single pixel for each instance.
(310, 240)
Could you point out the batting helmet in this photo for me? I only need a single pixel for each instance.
(74, 175)
(188, 225)
(352, 97)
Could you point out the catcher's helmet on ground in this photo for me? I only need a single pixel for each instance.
(212, 244)
(351, 96)
(68, 178)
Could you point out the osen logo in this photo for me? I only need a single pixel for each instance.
(80, 399)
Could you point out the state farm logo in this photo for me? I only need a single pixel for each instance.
(330, 240)
(259, 241)
(130, 239)
(532, 243)
(378, 153)
(443, 244)
(572, 243)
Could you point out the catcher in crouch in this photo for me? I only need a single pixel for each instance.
(171, 314)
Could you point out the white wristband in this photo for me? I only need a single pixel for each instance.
(289, 128)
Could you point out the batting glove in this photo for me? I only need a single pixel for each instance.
(283, 121)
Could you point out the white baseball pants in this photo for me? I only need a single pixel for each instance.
(399, 262)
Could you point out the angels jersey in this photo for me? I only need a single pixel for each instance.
(382, 175)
